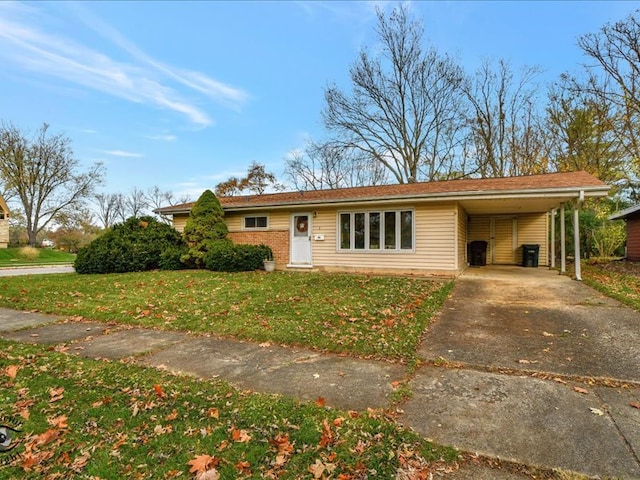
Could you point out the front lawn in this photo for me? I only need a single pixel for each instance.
(370, 316)
(78, 418)
(29, 256)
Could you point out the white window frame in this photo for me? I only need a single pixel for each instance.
(244, 222)
(382, 249)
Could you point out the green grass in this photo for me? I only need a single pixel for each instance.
(369, 316)
(88, 419)
(16, 257)
(624, 287)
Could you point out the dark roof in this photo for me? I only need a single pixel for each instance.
(626, 213)
(551, 182)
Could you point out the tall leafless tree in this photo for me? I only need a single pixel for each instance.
(44, 175)
(504, 124)
(405, 108)
(326, 166)
(615, 77)
(107, 208)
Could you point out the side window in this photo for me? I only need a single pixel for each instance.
(255, 222)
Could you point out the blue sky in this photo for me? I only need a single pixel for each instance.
(185, 94)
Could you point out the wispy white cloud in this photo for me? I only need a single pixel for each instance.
(142, 79)
(123, 153)
(165, 138)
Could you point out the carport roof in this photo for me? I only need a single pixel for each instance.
(532, 193)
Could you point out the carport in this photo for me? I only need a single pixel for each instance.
(507, 220)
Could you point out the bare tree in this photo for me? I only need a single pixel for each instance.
(157, 198)
(405, 109)
(505, 130)
(108, 206)
(43, 174)
(133, 204)
(324, 166)
(616, 77)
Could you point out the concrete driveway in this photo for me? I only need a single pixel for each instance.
(40, 270)
(545, 373)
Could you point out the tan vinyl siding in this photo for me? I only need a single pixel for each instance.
(278, 220)
(179, 221)
(462, 238)
(534, 229)
(434, 245)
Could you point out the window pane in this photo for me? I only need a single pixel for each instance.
(374, 231)
(250, 222)
(359, 230)
(345, 231)
(390, 230)
(406, 230)
(261, 222)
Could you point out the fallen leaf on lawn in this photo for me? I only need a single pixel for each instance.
(596, 411)
(159, 392)
(58, 422)
(24, 413)
(201, 463)
(11, 371)
(56, 394)
(320, 402)
(264, 344)
(172, 416)
(635, 404)
(559, 380)
(80, 462)
(317, 469)
(212, 474)
(213, 413)
(547, 334)
(47, 437)
(396, 383)
(240, 436)
(243, 466)
(581, 390)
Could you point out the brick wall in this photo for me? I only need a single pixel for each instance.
(278, 240)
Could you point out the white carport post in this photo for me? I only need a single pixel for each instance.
(576, 236)
(563, 247)
(552, 246)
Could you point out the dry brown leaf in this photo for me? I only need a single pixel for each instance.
(201, 463)
(56, 394)
(213, 413)
(58, 422)
(635, 404)
(11, 371)
(240, 436)
(584, 391)
(320, 402)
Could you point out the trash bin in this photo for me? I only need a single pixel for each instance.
(530, 255)
(478, 253)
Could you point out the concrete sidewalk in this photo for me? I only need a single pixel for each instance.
(511, 416)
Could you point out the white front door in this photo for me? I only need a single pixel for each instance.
(301, 239)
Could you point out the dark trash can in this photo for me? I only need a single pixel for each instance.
(478, 253)
(530, 255)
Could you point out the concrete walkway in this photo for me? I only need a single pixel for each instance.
(503, 387)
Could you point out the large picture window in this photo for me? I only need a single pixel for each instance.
(390, 230)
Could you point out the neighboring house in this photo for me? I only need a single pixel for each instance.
(408, 228)
(4, 224)
(631, 216)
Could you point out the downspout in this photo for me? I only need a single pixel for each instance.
(552, 246)
(563, 247)
(576, 236)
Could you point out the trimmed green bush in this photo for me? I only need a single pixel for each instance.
(224, 256)
(137, 245)
(204, 225)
